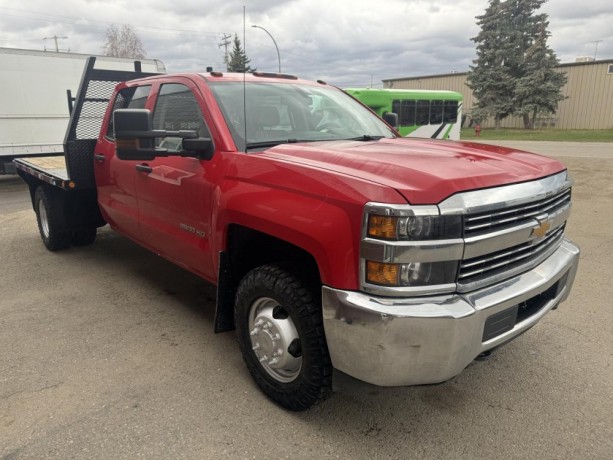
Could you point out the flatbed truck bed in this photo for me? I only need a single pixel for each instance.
(63, 185)
(52, 170)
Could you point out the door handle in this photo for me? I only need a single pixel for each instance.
(144, 168)
(99, 157)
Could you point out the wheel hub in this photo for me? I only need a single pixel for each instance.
(44, 221)
(271, 336)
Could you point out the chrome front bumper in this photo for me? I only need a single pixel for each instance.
(411, 341)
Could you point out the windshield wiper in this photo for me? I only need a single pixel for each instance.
(366, 137)
(271, 143)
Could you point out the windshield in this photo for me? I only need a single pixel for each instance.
(287, 112)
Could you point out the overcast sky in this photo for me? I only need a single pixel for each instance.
(347, 43)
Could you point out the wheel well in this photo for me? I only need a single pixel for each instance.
(247, 249)
(33, 184)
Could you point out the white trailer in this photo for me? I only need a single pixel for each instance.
(35, 95)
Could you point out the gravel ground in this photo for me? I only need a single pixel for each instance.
(109, 352)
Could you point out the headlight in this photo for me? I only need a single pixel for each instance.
(412, 274)
(414, 228)
(410, 249)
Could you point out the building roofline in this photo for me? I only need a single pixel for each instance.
(440, 75)
(571, 64)
(452, 74)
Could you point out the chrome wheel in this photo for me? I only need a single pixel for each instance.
(279, 327)
(44, 220)
(275, 340)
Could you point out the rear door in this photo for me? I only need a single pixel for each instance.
(115, 178)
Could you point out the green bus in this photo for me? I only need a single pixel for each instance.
(421, 113)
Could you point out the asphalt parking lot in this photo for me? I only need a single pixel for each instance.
(108, 352)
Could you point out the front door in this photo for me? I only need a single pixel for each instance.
(175, 193)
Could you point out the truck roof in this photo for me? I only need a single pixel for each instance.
(216, 76)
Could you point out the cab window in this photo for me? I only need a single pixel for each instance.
(128, 98)
(177, 109)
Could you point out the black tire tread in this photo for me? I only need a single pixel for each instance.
(314, 383)
(84, 237)
(59, 237)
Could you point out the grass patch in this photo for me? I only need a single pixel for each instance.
(567, 135)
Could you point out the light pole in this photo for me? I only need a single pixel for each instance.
(273, 40)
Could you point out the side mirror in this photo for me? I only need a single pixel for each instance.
(391, 119)
(202, 146)
(132, 134)
(135, 138)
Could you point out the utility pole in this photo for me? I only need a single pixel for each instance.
(55, 38)
(225, 42)
(596, 50)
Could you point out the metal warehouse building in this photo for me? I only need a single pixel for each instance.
(588, 102)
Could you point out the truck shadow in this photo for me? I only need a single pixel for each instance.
(488, 400)
(429, 421)
(158, 276)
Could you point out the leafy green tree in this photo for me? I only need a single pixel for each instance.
(514, 71)
(238, 61)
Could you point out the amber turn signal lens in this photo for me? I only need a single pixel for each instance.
(382, 274)
(382, 226)
(126, 143)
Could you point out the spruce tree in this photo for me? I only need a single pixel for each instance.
(490, 77)
(239, 62)
(538, 90)
(514, 71)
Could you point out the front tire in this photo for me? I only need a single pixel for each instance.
(279, 327)
(51, 219)
(84, 237)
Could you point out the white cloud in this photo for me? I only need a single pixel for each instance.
(345, 43)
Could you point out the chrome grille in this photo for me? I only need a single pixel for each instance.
(526, 254)
(498, 219)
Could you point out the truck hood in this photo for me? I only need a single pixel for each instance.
(424, 171)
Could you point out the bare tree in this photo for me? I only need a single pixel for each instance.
(123, 42)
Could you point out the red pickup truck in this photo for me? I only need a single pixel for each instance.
(333, 241)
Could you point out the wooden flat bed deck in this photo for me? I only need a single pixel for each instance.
(48, 169)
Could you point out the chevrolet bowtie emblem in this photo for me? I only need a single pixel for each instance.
(542, 229)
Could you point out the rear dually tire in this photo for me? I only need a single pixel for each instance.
(51, 219)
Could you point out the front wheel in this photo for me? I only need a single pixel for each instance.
(84, 237)
(280, 332)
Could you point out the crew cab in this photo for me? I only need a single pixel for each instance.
(333, 241)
